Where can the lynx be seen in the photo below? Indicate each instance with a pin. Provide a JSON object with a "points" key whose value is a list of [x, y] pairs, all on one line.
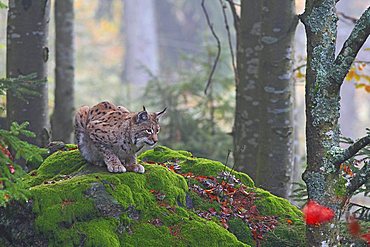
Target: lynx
{"points": [[112, 135]]}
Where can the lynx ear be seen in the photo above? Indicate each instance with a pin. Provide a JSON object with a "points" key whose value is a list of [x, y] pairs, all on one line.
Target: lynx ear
{"points": [[161, 113], [142, 116]]}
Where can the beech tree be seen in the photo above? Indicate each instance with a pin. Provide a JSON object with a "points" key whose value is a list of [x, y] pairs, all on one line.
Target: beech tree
{"points": [[325, 74], [263, 138], [62, 118], [27, 53]]}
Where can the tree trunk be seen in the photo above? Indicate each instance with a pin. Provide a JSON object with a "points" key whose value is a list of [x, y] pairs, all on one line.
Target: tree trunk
{"points": [[324, 77], [141, 44], [62, 122], [104, 10], [263, 139], [27, 53]]}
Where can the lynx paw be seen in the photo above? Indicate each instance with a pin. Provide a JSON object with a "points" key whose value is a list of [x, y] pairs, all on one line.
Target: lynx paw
{"points": [[136, 168], [116, 168]]}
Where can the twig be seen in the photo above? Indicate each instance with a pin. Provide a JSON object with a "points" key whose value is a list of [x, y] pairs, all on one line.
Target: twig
{"points": [[218, 47], [362, 62], [235, 14], [352, 150], [347, 17], [351, 47], [299, 67], [223, 6], [360, 179], [227, 159]]}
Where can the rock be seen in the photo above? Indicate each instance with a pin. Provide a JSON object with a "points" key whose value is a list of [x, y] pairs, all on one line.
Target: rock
{"points": [[179, 201]]}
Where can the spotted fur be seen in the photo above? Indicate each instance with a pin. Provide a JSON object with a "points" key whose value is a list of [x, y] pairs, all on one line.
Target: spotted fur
{"points": [[111, 135]]}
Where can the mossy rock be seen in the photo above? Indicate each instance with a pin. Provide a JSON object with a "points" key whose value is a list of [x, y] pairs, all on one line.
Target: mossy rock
{"points": [[77, 204]]}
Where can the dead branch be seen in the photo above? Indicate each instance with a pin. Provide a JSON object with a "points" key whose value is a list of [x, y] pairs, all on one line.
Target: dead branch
{"points": [[210, 25], [223, 6]]}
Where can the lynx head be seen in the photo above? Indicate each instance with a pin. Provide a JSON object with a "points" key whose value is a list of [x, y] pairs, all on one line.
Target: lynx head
{"points": [[145, 128]]}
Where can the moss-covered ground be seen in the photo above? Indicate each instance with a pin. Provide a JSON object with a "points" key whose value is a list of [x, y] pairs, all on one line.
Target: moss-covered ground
{"points": [[78, 204]]}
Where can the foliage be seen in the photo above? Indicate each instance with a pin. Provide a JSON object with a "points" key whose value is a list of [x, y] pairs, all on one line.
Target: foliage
{"points": [[194, 121], [358, 74], [3, 5], [11, 184], [20, 86], [360, 214]]}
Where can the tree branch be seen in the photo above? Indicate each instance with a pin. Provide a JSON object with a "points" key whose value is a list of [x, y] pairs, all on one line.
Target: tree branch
{"points": [[352, 150], [235, 14], [360, 179], [236, 75], [351, 47], [347, 17], [210, 25]]}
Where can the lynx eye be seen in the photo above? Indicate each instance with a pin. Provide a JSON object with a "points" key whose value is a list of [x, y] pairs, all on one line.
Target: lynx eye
{"points": [[149, 131], [158, 129]]}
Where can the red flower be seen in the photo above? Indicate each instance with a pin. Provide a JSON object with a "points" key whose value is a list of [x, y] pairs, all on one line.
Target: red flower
{"points": [[315, 214]]}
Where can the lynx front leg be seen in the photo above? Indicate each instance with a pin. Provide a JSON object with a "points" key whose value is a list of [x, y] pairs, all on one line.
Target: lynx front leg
{"points": [[112, 161], [132, 166]]}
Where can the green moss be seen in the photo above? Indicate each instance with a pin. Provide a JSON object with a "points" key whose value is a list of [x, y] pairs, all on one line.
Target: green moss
{"points": [[99, 232], [92, 207], [290, 231], [207, 233], [286, 235], [198, 166], [59, 163], [240, 230], [269, 204]]}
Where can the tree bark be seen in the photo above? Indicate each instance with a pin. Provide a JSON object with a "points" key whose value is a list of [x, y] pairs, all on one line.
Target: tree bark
{"points": [[324, 76], [263, 138], [62, 119], [141, 42], [27, 53]]}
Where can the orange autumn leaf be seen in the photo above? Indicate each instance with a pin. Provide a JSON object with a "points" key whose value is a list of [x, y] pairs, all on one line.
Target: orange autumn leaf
{"points": [[350, 74], [346, 169], [367, 88]]}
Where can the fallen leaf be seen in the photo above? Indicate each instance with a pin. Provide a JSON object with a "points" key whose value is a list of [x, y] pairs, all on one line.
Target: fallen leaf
{"points": [[354, 227]]}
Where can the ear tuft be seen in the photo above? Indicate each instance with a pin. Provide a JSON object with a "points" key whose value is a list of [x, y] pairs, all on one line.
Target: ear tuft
{"points": [[161, 113]]}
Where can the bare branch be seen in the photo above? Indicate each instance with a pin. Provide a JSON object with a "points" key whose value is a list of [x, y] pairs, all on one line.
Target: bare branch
{"points": [[235, 14], [299, 67], [350, 48], [218, 47], [360, 179], [223, 6], [352, 150], [347, 17]]}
